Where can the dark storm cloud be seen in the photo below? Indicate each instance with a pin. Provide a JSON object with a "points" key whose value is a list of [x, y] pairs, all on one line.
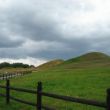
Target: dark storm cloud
{"points": [[8, 42], [64, 49], [52, 29], [35, 25]]}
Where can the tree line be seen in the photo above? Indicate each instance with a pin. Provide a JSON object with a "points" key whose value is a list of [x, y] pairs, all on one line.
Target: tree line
{"points": [[15, 65]]}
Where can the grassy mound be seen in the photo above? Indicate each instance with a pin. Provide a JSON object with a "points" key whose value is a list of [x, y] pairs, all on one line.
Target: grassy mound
{"points": [[93, 56], [49, 64], [94, 59]]}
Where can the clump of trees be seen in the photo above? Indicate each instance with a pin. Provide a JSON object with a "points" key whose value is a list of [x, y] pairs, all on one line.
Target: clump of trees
{"points": [[15, 65]]}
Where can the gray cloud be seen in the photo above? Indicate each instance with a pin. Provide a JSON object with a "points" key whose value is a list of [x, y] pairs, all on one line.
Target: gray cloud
{"points": [[53, 29], [8, 42]]}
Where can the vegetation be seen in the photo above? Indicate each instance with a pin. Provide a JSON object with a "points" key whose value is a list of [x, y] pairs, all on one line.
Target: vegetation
{"points": [[14, 65], [50, 64], [94, 56], [81, 78]]}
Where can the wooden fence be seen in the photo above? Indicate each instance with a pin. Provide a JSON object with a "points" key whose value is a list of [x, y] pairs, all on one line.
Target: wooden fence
{"points": [[39, 93], [15, 74]]}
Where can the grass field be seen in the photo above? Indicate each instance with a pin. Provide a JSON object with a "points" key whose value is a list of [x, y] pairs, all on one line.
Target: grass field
{"points": [[71, 79]]}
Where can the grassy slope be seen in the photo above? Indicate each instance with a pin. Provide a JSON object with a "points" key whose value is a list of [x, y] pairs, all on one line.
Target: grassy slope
{"points": [[89, 57], [49, 64], [94, 59], [90, 82]]}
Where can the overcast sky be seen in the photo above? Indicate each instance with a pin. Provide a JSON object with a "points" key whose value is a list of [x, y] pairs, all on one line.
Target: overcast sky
{"points": [[35, 31]]}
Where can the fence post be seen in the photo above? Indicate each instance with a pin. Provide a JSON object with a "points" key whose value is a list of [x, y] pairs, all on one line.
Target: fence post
{"points": [[108, 99], [6, 76], [7, 91], [39, 96], [3, 76]]}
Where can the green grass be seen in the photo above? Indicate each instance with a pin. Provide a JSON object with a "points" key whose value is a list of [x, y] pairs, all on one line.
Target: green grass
{"points": [[85, 83], [67, 79], [49, 64], [90, 57]]}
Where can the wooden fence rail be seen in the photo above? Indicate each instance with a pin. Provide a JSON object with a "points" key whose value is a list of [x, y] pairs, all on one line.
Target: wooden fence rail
{"points": [[39, 95]]}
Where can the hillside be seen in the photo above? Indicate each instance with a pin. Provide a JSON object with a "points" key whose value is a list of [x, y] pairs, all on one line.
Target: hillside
{"points": [[93, 59], [49, 64], [87, 60], [93, 56]]}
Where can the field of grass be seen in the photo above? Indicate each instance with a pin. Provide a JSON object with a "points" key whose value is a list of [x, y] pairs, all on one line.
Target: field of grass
{"points": [[88, 82]]}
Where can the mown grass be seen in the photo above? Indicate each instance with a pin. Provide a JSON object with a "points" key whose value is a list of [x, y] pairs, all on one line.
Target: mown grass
{"points": [[89, 83]]}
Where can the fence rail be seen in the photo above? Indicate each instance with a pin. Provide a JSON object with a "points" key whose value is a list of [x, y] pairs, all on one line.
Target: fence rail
{"points": [[39, 93], [74, 99]]}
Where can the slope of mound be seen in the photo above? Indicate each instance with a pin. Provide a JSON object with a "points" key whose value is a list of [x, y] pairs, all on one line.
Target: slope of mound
{"points": [[86, 60], [93, 56], [93, 59], [50, 64]]}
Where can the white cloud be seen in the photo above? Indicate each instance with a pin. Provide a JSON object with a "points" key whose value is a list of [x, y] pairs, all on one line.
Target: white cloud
{"points": [[28, 60]]}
